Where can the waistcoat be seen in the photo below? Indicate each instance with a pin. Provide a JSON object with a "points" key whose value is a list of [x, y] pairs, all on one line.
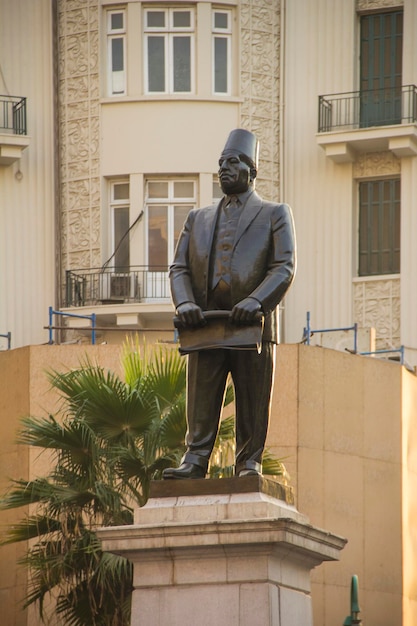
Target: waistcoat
{"points": [[221, 253]]}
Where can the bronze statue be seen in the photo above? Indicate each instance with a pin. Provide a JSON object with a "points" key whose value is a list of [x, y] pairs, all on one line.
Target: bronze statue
{"points": [[237, 256]]}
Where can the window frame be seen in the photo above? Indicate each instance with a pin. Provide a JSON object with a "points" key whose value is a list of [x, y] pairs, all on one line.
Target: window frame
{"points": [[221, 33], [170, 201], [112, 34], [217, 193], [169, 32], [381, 51], [114, 205], [372, 248]]}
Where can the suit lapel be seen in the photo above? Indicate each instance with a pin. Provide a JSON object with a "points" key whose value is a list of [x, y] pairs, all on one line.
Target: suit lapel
{"points": [[209, 225], [249, 212]]}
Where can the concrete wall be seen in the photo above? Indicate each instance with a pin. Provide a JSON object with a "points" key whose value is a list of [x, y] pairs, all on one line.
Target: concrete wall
{"points": [[25, 390], [14, 463], [409, 500], [345, 427]]}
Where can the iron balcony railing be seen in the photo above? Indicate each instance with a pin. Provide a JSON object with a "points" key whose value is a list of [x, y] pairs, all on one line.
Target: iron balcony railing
{"points": [[86, 287], [362, 109], [13, 115]]}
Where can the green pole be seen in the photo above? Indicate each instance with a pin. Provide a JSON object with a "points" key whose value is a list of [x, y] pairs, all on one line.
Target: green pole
{"points": [[353, 619]]}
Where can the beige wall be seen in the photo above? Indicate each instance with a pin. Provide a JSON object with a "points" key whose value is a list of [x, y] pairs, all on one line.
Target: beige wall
{"points": [[27, 259], [165, 138], [319, 191], [345, 427], [409, 501], [14, 463], [25, 390]]}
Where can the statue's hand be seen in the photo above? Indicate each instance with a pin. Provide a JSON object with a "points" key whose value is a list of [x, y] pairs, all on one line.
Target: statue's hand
{"points": [[244, 312], [190, 314]]}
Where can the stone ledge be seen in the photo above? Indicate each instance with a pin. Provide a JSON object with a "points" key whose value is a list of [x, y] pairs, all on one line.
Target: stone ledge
{"points": [[289, 535]]}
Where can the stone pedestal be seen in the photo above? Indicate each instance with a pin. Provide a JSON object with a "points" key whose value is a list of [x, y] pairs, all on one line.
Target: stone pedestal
{"points": [[229, 552]]}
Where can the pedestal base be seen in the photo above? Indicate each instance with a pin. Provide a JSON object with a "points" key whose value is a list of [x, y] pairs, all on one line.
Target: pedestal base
{"points": [[224, 552]]}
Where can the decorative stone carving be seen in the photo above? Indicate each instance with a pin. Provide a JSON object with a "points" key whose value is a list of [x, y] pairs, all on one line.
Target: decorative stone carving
{"points": [[377, 305], [259, 20], [376, 164], [79, 229], [78, 195], [79, 132], [368, 5]]}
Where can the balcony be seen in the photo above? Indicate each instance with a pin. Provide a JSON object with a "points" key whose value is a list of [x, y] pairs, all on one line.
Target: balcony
{"points": [[13, 130], [368, 121], [136, 296]]}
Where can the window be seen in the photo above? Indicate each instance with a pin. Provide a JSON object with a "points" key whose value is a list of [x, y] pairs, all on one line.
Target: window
{"points": [[379, 227], [168, 203], [381, 68], [116, 44], [119, 207], [169, 50], [221, 37], [217, 192]]}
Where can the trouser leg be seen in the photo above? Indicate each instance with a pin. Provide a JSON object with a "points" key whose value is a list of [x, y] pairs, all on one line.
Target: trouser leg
{"points": [[252, 375], [206, 382]]}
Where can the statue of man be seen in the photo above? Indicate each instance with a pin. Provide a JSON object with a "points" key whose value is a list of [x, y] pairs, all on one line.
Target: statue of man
{"points": [[237, 256]]}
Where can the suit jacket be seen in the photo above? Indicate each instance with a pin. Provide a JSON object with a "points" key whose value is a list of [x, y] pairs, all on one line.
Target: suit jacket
{"points": [[263, 257]]}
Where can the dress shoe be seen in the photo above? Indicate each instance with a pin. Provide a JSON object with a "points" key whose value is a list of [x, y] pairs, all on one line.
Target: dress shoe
{"points": [[185, 470], [248, 472]]}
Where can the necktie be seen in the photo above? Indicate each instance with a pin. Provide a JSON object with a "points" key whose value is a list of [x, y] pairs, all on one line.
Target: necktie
{"points": [[232, 206]]}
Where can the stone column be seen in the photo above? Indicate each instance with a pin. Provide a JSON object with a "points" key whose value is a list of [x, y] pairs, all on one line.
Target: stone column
{"points": [[229, 552]]}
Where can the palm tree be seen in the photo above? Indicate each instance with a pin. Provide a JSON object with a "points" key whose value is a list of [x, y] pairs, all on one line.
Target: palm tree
{"points": [[112, 438]]}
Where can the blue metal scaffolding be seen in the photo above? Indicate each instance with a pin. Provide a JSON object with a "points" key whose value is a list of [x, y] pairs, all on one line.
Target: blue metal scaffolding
{"points": [[91, 317], [308, 332]]}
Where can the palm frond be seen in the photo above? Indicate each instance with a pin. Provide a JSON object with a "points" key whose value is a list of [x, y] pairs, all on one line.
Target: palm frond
{"points": [[166, 375], [273, 466], [226, 430], [173, 426], [31, 527], [134, 361], [27, 492], [112, 569], [221, 471], [112, 407], [229, 396], [41, 432]]}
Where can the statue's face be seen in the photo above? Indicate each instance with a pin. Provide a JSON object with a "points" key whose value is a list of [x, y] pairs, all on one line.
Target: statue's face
{"points": [[235, 175]]}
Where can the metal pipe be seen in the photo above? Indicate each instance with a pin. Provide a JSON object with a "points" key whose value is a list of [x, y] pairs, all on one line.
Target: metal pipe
{"points": [[91, 317], [7, 336]]}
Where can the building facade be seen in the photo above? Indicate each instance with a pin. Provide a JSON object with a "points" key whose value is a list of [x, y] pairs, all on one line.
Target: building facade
{"points": [[144, 96], [148, 93], [350, 150]]}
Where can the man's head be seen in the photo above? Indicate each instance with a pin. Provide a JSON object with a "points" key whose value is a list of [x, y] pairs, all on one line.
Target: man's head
{"points": [[238, 162]]}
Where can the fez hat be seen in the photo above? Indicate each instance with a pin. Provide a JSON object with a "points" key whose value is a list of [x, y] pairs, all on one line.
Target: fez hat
{"points": [[244, 143]]}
